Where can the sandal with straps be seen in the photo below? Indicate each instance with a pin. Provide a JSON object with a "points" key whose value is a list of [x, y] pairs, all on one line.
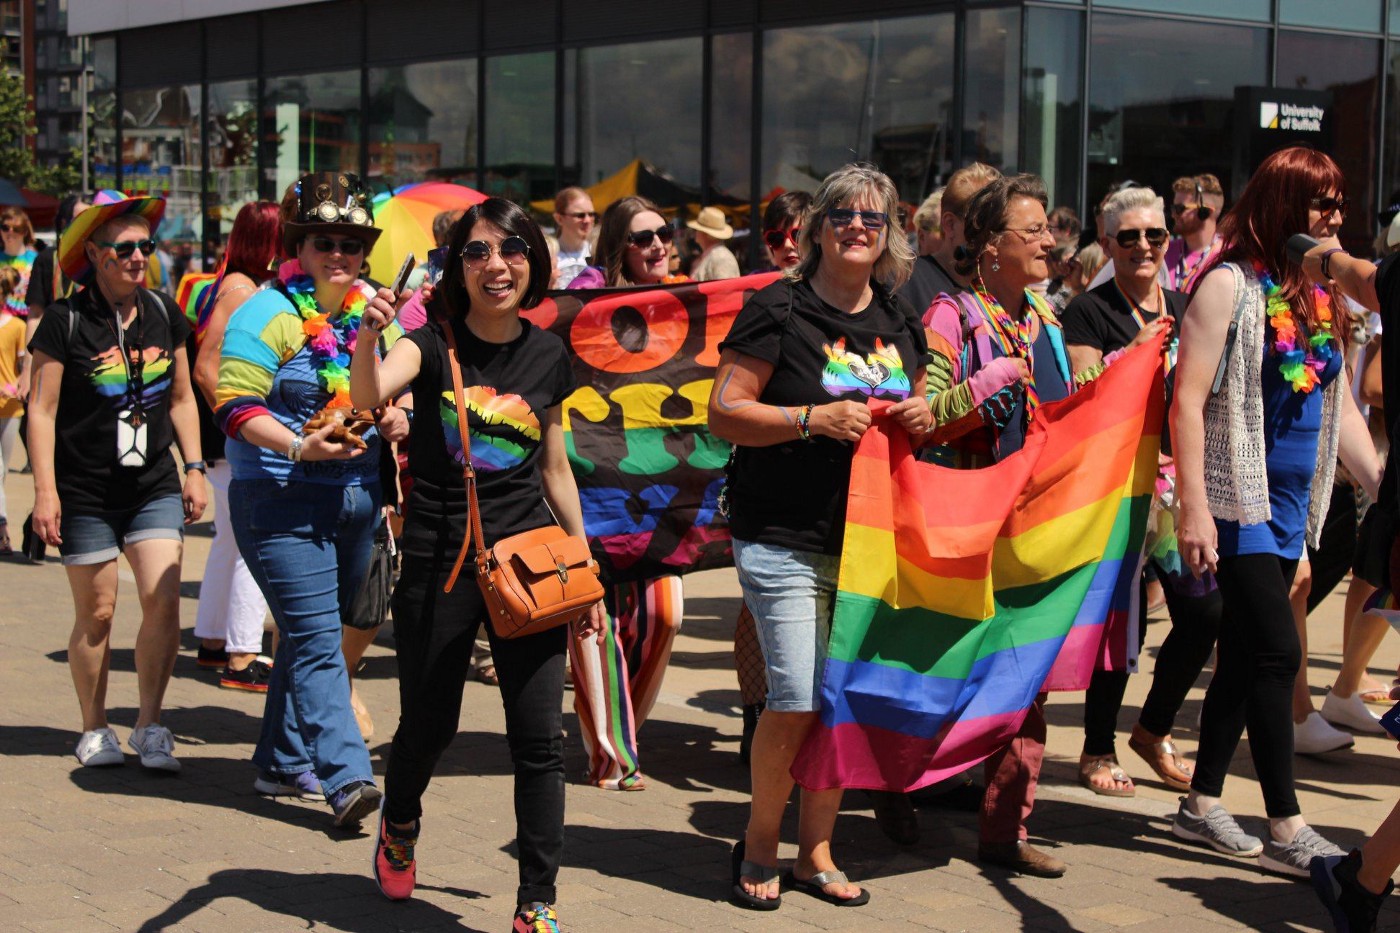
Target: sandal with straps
{"points": [[1157, 754], [740, 868], [1088, 768]]}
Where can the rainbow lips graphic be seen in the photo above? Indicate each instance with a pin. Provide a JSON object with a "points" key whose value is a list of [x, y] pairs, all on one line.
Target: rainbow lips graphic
{"points": [[504, 430]]}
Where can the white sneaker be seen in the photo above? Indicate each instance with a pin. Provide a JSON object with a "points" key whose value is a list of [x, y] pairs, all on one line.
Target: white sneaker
{"points": [[99, 748], [155, 745], [1351, 713], [1313, 736]]}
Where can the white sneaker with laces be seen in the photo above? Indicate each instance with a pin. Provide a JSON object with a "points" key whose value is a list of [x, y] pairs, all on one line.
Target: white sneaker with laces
{"points": [[1314, 736], [99, 748], [155, 745], [1351, 713]]}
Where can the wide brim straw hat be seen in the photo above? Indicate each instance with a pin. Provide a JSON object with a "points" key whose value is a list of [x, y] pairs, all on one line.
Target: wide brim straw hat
{"points": [[711, 221], [73, 258], [333, 203]]}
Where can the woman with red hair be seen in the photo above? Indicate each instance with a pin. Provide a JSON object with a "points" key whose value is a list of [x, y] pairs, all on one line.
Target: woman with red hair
{"points": [[1261, 388], [231, 607]]}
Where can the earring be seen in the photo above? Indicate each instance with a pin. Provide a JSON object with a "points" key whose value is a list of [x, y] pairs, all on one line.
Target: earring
{"points": [[996, 266]]}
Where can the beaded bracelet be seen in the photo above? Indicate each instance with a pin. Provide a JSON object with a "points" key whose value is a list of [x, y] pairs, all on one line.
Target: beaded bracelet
{"points": [[804, 419]]}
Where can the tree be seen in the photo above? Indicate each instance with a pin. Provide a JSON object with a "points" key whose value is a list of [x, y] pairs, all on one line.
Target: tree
{"points": [[16, 130]]}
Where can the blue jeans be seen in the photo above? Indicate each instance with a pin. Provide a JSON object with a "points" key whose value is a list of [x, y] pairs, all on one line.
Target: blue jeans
{"points": [[308, 547]]}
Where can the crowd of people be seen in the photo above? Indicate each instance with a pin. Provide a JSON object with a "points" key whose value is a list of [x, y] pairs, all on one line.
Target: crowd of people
{"points": [[332, 422]]}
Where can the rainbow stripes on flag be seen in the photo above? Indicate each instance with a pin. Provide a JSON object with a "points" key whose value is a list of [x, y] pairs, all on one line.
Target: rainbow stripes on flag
{"points": [[960, 590]]}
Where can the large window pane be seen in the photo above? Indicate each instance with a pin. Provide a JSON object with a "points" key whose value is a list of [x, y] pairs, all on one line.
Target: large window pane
{"points": [[161, 155], [233, 152], [880, 90], [1054, 100], [1161, 98], [1349, 68], [1229, 9], [991, 115], [312, 124], [519, 126], [422, 122], [102, 125], [731, 115], [1348, 14]]}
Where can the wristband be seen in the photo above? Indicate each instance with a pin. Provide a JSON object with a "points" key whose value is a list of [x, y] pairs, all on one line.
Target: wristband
{"points": [[294, 450], [1327, 261], [197, 465], [804, 419]]}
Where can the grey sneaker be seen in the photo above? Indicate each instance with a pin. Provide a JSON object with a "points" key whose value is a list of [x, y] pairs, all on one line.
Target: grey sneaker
{"points": [[99, 748], [1218, 830], [155, 745], [1295, 858]]}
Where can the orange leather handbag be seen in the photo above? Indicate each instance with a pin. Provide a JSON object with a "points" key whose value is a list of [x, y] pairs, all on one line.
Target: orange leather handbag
{"points": [[532, 581]]}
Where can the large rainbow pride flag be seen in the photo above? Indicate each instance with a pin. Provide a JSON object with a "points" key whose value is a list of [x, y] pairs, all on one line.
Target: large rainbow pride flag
{"points": [[960, 589]]}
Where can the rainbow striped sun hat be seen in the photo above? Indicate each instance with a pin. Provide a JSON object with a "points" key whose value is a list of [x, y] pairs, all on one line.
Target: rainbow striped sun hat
{"points": [[72, 258]]}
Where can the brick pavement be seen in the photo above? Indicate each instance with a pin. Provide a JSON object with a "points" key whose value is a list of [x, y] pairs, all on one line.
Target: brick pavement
{"points": [[120, 849]]}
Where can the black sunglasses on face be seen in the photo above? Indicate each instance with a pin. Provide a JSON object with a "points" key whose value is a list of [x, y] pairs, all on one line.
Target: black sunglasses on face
{"points": [[1328, 206], [841, 218], [642, 239], [583, 215], [1127, 239], [8, 228], [125, 249], [347, 247], [513, 251]]}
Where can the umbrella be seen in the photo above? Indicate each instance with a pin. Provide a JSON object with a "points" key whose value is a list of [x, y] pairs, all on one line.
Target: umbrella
{"points": [[10, 194], [406, 217]]}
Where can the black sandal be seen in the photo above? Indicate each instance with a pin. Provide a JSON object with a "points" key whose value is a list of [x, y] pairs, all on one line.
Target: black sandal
{"points": [[816, 887], [766, 874]]}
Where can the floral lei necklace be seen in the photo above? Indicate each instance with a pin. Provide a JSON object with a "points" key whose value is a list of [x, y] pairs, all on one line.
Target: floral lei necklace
{"points": [[332, 339], [1300, 360]]}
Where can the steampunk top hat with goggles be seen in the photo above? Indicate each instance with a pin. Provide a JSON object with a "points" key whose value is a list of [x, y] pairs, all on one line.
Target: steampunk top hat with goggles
{"points": [[331, 202]]}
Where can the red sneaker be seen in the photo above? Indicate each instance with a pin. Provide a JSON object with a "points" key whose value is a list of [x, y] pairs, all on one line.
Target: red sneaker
{"points": [[395, 870]]}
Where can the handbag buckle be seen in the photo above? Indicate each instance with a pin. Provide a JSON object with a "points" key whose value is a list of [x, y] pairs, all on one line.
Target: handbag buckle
{"points": [[562, 571]]}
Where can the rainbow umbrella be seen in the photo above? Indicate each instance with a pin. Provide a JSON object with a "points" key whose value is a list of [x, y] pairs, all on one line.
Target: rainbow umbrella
{"points": [[406, 217]]}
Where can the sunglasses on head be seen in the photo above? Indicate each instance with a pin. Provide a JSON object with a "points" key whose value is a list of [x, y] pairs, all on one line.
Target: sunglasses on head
{"points": [[347, 247], [1127, 239], [1329, 205], [513, 251], [583, 215], [642, 239], [125, 249], [842, 217], [777, 239]]}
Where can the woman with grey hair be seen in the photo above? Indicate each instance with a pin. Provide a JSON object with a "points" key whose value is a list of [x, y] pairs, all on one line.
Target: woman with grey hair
{"points": [[801, 362]]}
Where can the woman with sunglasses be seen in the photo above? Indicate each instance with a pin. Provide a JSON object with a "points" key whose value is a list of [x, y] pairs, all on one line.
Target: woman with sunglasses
{"points": [[17, 236], [1098, 323], [782, 226], [796, 372], [575, 216], [516, 377], [1255, 465], [643, 617], [304, 506], [111, 393]]}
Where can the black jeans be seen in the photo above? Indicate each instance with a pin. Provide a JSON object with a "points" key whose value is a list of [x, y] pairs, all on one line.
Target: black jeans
{"points": [[434, 632], [1255, 665], [1195, 626]]}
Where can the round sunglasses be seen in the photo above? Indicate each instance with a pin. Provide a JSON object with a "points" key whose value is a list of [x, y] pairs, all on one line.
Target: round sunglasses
{"points": [[643, 239], [513, 251]]}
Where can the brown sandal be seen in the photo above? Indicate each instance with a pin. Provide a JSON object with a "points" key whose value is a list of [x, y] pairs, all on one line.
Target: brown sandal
{"points": [[1088, 767], [1157, 754]]}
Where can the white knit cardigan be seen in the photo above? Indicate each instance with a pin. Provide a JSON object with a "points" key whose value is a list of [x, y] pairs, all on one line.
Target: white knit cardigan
{"points": [[1237, 482]]}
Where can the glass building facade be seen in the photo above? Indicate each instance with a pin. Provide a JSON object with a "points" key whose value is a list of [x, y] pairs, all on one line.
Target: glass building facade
{"points": [[728, 101]]}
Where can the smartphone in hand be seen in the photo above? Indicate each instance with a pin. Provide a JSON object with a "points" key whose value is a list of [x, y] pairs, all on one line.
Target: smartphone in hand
{"points": [[1391, 721]]}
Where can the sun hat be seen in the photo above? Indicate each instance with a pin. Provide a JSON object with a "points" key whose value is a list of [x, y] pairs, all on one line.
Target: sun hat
{"points": [[711, 222], [72, 257], [331, 202]]}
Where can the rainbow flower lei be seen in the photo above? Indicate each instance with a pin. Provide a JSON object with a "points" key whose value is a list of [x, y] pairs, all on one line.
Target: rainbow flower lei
{"points": [[1299, 364], [332, 339]]}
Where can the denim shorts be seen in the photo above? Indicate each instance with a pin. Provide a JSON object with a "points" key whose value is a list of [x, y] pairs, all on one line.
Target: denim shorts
{"points": [[97, 537], [790, 594]]}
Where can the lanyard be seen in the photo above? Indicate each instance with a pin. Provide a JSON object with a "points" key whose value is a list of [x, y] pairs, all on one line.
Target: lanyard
{"points": [[132, 367], [1140, 313]]}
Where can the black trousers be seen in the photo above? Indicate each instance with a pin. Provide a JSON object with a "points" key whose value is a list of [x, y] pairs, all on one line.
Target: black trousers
{"points": [[1195, 626], [434, 634], [1257, 660]]}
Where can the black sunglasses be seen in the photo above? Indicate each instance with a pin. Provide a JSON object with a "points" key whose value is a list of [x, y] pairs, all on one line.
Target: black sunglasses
{"points": [[347, 247], [1329, 205], [1127, 239], [642, 239], [125, 249], [513, 251], [842, 217], [12, 228], [581, 215]]}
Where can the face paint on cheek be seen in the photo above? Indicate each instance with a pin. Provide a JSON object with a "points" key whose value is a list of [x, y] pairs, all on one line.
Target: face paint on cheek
{"points": [[110, 263]]}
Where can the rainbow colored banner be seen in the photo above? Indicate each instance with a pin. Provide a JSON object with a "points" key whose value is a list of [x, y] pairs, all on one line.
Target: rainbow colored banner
{"points": [[649, 472], [961, 589]]}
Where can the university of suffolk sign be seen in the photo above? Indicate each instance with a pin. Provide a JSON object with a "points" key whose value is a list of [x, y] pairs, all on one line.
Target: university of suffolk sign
{"points": [[1268, 119]]}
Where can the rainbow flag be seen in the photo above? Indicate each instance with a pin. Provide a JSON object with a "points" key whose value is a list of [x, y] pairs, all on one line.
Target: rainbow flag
{"points": [[960, 590], [191, 294]]}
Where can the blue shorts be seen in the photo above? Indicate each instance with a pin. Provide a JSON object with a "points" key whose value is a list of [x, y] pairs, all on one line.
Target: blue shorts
{"points": [[791, 595], [97, 537]]}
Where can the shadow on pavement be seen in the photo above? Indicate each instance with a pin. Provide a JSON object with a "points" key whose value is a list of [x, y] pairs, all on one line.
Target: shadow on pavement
{"points": [[337, 902]]}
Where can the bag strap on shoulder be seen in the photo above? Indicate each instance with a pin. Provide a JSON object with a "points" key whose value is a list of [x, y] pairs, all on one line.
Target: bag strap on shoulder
{"points": [[474, 533]]}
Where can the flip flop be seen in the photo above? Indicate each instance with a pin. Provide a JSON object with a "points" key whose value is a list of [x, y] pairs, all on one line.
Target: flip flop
{"points": [[765, 874], [816, 887]]}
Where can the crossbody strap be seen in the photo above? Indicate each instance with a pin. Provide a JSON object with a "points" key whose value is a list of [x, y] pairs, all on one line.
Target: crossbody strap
{"points": [[468, 473]]}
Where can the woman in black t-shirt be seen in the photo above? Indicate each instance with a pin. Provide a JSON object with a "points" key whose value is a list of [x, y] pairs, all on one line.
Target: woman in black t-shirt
{"points": [[515, 379], [796, 372], [111, 393]]}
